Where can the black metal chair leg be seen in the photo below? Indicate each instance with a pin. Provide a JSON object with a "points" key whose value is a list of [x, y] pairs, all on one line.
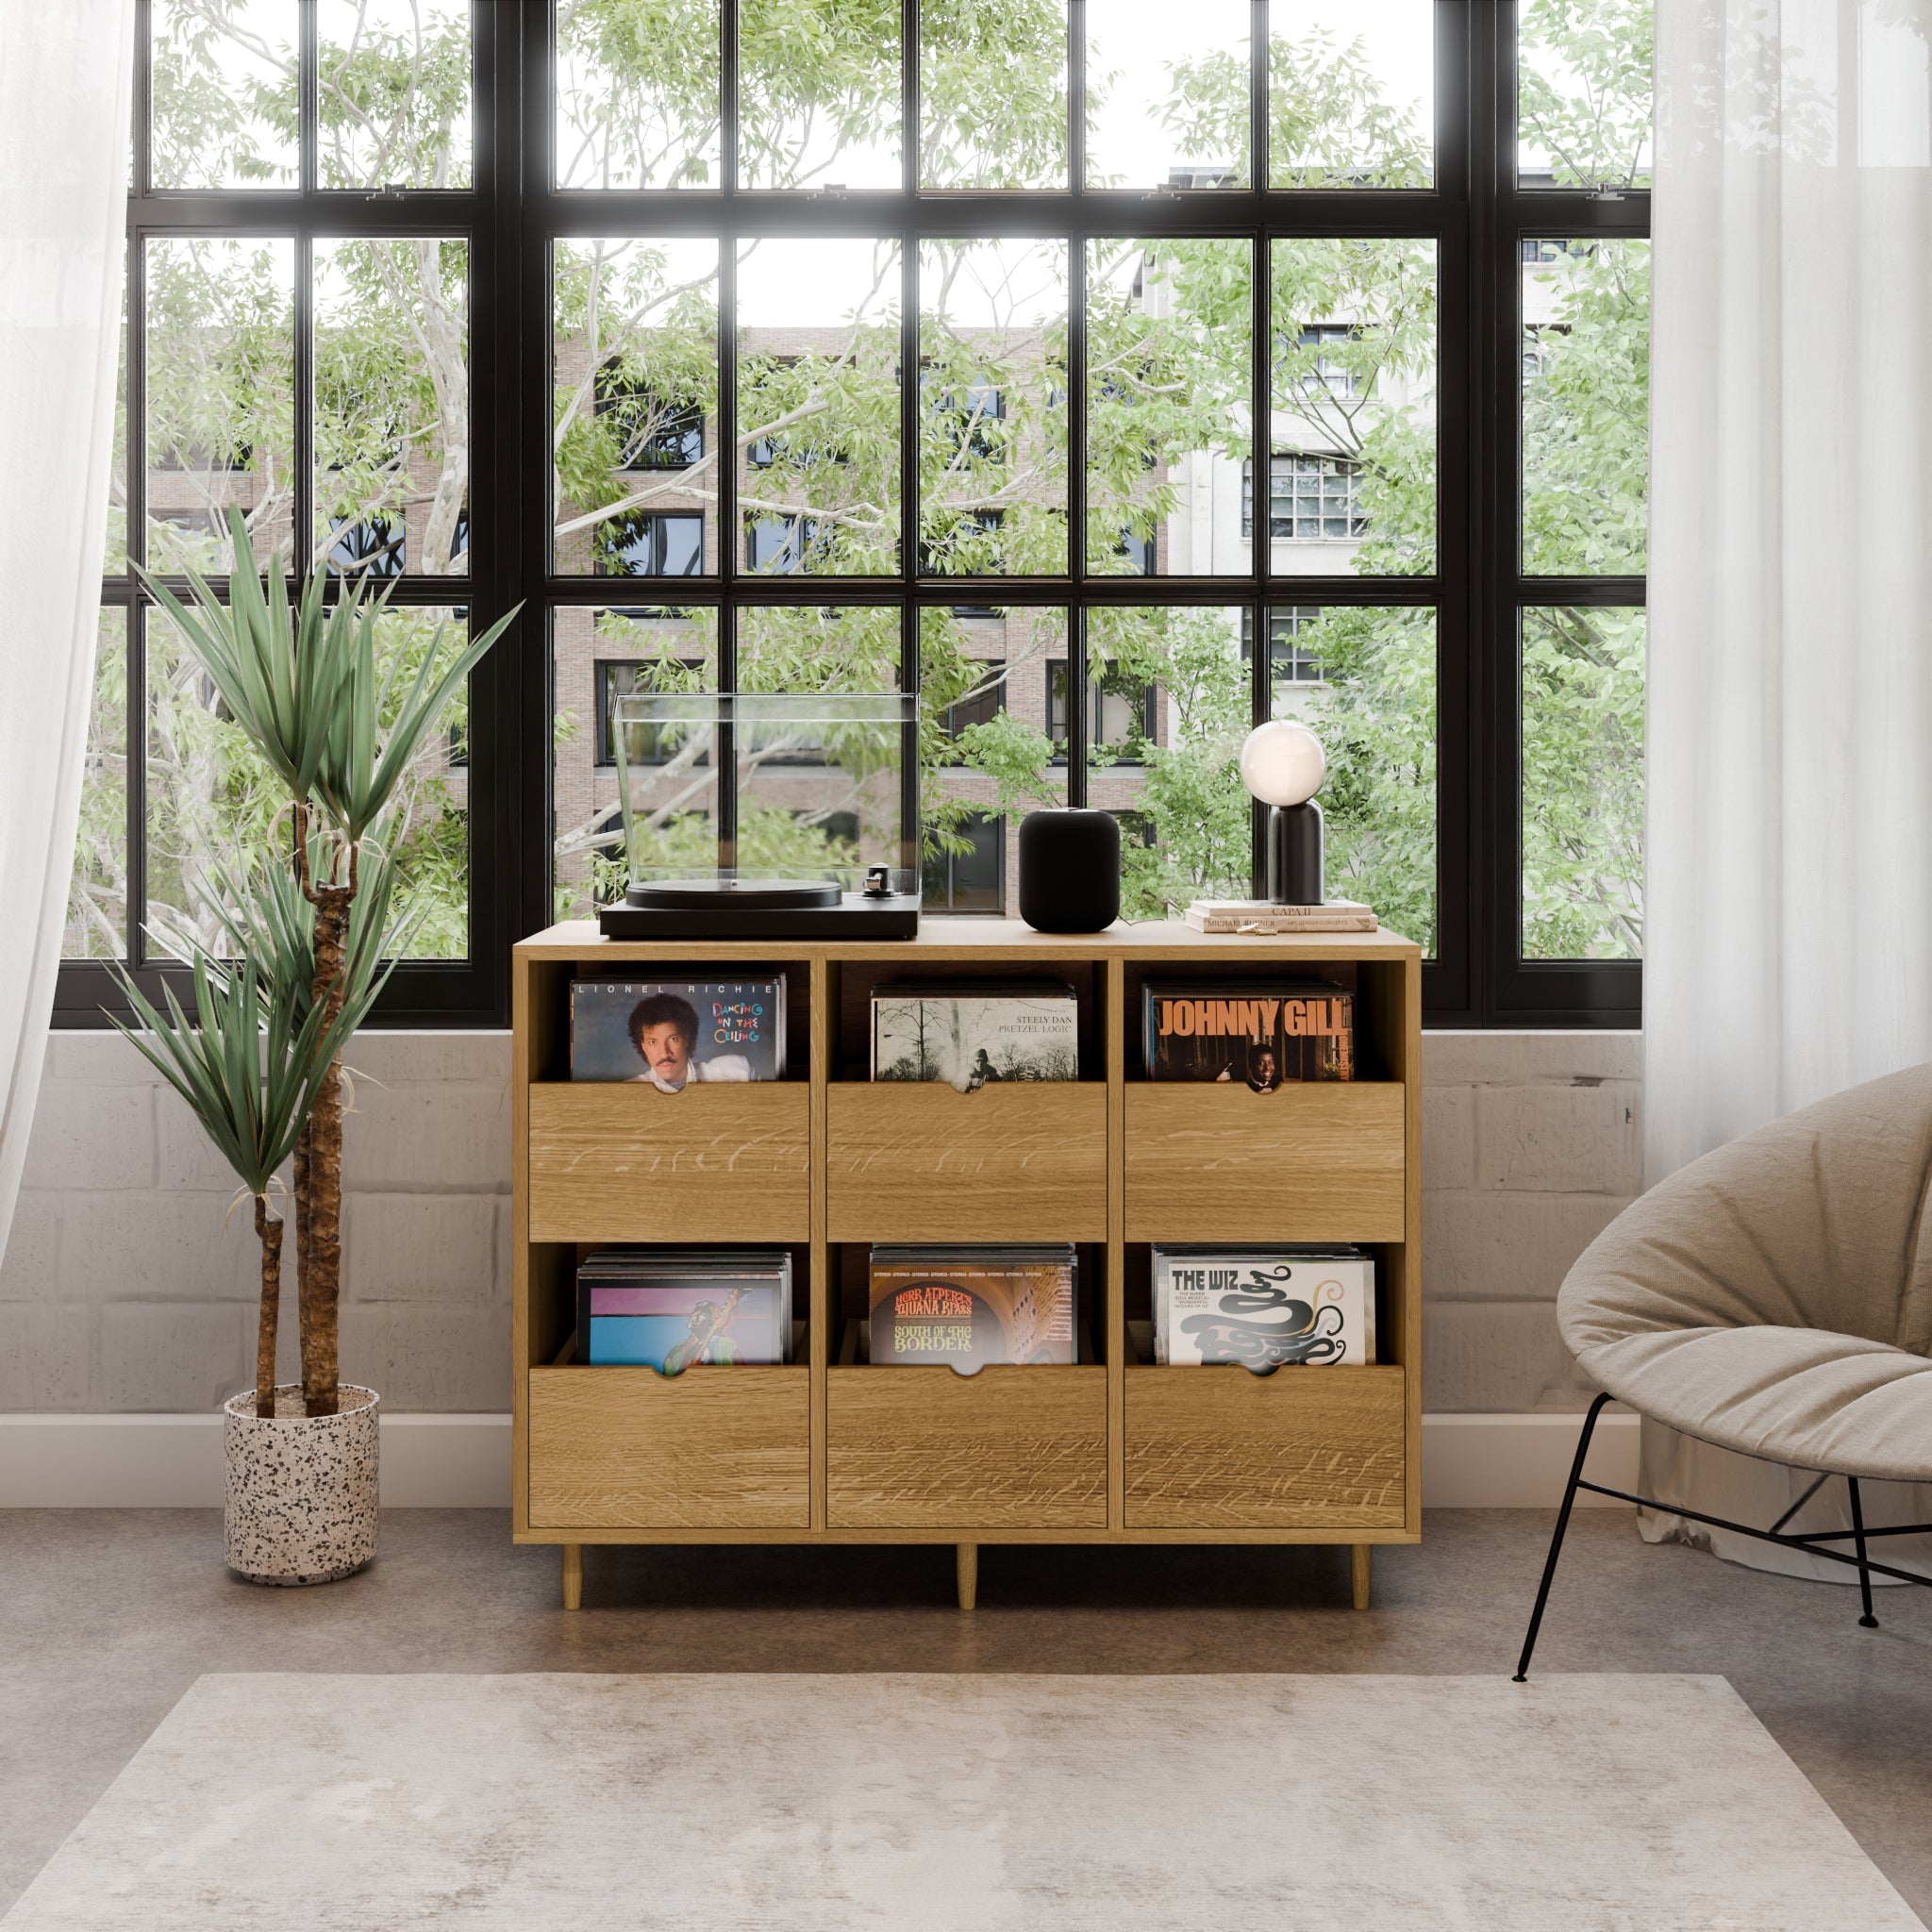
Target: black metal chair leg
{"points": [[1868, 1619], [1542, 1596]]}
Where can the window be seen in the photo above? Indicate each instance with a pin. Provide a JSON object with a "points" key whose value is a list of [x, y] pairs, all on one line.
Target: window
{"points": [[960, 391], [649, 432], [973, 879], [1310, 500], [652, 543], [618, 678]]}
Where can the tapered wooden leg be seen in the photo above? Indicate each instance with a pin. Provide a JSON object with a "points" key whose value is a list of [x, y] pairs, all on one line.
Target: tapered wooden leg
{"points": [[1358, 1574], [967, 1557], [573, 1575]]}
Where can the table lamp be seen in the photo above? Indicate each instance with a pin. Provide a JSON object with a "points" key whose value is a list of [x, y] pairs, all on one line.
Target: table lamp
{"points": [[1283, 765]]}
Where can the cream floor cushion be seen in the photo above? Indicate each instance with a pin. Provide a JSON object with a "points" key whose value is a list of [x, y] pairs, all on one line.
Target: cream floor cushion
{"points": [[1775, 1297]]}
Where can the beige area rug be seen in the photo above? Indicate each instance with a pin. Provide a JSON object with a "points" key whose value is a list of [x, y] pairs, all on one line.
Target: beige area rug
{"points": [[973, 1804]]}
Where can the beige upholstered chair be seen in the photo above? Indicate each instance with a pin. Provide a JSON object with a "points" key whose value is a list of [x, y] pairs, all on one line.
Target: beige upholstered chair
{"points": [[1775, 1298]]}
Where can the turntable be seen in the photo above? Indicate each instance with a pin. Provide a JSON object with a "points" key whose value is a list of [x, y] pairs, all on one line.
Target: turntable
{"points": [[728, 908]]}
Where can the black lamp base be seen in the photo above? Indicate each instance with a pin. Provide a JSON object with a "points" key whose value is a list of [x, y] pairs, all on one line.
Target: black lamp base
{"points": [[1292, 874]]}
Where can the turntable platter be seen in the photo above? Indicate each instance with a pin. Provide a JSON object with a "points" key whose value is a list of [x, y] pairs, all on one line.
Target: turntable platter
{"points": [[715, 895]]}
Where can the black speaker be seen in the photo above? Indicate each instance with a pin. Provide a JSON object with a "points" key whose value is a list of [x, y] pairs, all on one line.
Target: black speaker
{"points": [[1070, 870]]}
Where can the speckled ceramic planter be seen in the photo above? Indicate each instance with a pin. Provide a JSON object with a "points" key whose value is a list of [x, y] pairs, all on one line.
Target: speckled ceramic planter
{"points": [[302, 1490]]}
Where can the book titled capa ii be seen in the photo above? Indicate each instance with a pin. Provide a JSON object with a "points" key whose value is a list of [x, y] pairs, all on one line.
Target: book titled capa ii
{"points": [[973, 1033], [1261, 1033], [968, 1306], [1264, 1308], [674, 1031]]}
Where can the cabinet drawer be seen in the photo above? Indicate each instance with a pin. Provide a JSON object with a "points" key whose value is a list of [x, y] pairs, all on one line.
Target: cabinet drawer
{"points": [[918, 1162], [625, 1162], [629, 1448], [1219, 1448], [1312, 1162], [1009, 1448]]}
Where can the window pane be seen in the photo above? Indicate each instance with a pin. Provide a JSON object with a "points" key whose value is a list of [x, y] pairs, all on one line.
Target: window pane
{"points": [[213, 807], [598, 655], [1583, 784], [993, 94], [818, 93], [992, 345], [97, 924], [1167, 94], [1169, 371], [1351, 94], [1172, 769], [818, 406], [392, 93], [1583, 93], [224, 94], [804, 647], [1586, 406], [636, 370], [1352, 474], [1363, 679], [391, 406], [985, 759], [637, 95], [221, 387], [115, 560]]}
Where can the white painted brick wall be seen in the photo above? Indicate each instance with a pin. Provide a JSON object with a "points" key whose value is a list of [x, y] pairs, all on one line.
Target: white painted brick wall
{"points": [[121, 1289]]}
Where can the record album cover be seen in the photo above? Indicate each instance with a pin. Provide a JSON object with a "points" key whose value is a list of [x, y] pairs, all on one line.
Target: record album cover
{"points": [[1264, 1308], [971, 1035], [966, 1307], [1261, 1033], [678, 1313], [670, 1032]]}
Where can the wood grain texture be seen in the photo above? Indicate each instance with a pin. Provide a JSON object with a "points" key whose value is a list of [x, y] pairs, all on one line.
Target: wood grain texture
{"points": [[1115, 1253], [1314, 1161], [1361, 1574], [919, 1447], [1220, 1448], [714, 1449], [626, 1162], [1023, 1161]]}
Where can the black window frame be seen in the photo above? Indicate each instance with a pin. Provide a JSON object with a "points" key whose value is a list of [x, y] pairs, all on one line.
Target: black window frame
{"points": [[1475, 211]]}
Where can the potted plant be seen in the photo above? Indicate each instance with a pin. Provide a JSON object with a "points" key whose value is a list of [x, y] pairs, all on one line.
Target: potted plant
{"points": [[260, 1063]]}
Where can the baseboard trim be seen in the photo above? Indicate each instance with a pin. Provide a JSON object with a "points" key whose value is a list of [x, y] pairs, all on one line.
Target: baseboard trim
{"points": [[175, 1461], [462, 1462]]}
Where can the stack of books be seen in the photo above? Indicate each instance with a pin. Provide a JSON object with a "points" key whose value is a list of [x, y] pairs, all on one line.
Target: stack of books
{"points": [[1264, 1308], [676, 1309], [970, 1033], [1263, 916], [968, 1306]]}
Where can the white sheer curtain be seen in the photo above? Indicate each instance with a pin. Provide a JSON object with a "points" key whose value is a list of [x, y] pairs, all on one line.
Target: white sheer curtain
{"points": [[65, 76], [1788, 928]]}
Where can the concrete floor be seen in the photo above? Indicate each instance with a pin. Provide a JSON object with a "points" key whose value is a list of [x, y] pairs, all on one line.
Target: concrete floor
{"points": [[106, 1616]]}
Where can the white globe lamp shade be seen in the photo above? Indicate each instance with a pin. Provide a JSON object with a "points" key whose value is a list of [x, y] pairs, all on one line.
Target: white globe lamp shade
{"points": [[1283, 763]]}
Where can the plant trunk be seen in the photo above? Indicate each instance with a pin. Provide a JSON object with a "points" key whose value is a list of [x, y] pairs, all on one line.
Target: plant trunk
{"points": [[270, 1229], [322, 1278]]}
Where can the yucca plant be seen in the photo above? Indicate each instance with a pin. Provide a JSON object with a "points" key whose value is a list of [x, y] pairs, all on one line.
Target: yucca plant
{"points": [[249, 1065], [302, 681]]}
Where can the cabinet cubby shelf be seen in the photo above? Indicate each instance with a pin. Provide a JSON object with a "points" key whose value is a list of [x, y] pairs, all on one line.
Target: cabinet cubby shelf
{"points": [[834, 1450]]}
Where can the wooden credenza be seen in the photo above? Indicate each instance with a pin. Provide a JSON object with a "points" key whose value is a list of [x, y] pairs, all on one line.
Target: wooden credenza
{"points": [[831, 1449]]}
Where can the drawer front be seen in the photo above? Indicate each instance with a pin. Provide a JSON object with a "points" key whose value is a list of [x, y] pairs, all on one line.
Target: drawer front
{"points": [[629, 1448], [1312, 1162], [1009, 1448], [1219, 1448], [625, 1162], [916, 1161]]}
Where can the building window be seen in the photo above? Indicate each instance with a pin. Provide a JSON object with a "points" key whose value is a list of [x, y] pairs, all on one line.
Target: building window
{"points": [[651, 433], [1329, 375], [622, 677], [1139, 550], [785, 542], [1310, 500], [652, 543], [1114, 721], [372, 548], [970, 881], [1290, 658], [983, 703]]}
